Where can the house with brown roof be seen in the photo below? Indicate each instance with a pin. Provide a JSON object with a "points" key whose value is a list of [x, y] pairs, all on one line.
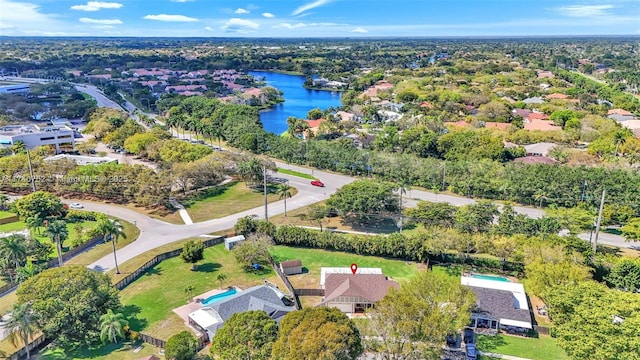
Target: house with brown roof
{"points": [[541, 125], [355, 293], [291, 267], [556, 96]]}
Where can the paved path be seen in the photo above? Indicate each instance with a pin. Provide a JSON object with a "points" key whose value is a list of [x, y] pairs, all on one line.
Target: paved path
{"points": [[500, 356], [186, 218]]}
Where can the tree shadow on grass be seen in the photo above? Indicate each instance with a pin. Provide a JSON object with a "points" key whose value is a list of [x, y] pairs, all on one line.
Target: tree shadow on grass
{"points": [[130, 313], [380, 225], [153, 271], [59, 353], [490, 343], [207, 267]]}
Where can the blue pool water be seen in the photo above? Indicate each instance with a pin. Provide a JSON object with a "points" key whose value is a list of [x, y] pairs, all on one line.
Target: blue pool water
{"points": [[491, 277], [217, 297]]}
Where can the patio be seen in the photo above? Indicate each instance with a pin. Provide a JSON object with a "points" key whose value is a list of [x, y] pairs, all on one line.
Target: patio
{"points": [[185, 310]]}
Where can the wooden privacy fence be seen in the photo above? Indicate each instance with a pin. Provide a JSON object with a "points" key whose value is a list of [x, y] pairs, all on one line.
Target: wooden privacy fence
{"points": [[310, 292], [202, 341], [35, 345], [287, 283]]}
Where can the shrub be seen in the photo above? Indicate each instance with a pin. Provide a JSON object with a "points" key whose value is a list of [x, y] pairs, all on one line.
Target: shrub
{"points": [[77, 216]]}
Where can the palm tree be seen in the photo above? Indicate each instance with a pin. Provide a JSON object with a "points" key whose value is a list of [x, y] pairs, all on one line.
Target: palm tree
{"points": [[20, 325], [221, 277], [540, 195], [27, 271], [189, 290], [284, 191], [112, 326], [13, 249], [113, 229], [58, 232], [619, 138]]}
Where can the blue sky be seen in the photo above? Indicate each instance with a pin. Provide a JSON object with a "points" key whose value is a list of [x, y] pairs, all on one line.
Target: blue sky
{"points": [[318, 18]]}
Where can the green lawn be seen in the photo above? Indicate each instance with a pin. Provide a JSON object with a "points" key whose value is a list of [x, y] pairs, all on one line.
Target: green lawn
{"points": [[6, 214], [314, 259], [108, 352], [150, 299], [296, 173], [542, 348], [226, 200], [42, 237]]}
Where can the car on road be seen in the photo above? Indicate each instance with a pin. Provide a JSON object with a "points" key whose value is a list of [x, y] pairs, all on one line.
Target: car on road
{"points": [[76, 206], [317, 183]]}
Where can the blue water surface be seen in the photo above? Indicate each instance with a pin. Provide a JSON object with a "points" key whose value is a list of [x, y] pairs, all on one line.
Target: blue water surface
{"points": [[298, 100]]}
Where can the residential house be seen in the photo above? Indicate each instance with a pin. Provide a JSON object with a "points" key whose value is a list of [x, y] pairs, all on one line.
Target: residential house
{"points": [[500, 305], [355, 293], [543, 74], [539, 149], [231, 242], [361, 140], [325, 271], [211, 317], [541, 125], [345, 116], [291, 267], [556, 96], [533, 100]]}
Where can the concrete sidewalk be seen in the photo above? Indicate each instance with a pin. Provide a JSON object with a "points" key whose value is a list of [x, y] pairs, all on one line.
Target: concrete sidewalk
{"points": [[182, 211]]}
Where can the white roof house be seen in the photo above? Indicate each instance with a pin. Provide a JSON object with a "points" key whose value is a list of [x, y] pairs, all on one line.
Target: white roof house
{"points": [[345, 270], [231, 242]]}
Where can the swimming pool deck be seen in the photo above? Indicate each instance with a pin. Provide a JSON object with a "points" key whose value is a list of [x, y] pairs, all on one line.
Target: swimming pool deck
{"points": [[185, 310]]}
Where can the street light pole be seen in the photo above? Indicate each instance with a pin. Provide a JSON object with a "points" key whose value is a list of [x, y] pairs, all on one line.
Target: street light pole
{"points": [[595, 240], [264, 179], [33, 183]]}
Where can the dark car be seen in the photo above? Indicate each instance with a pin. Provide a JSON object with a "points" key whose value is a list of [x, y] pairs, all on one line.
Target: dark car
{"points": [[317, 183]]}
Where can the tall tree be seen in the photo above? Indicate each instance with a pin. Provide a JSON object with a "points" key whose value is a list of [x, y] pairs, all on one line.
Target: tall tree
{"points": [[13, 249], [181, 346], [108, 228], [81, 297], [192, 252], [40, 205], [112, 326], [318, 333], [21, 325], [284, 192], [58, 232], [246, 335], [411, 323]]}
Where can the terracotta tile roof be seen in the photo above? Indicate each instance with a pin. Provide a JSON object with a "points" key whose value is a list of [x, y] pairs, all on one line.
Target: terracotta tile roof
{"points": [[372, 287], [619, 112], [537, 116], [460, 123], [542, 125], [557, 96], [315, 123]]}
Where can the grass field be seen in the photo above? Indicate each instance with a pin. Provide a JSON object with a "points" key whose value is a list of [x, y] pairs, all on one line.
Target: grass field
{"points": [[107, 352], [543, 348], [313, 260], [226, 200], [42, 237], [149, 301], [296, 173], [6, 214]]}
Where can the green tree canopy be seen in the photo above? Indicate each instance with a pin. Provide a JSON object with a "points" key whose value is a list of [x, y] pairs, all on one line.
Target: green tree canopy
{"points": [[40, 205], [192, 252], [412, 322], [364, 198], [318, 333], [625, 275], [181, 346], [67, 303], [246, 335]]}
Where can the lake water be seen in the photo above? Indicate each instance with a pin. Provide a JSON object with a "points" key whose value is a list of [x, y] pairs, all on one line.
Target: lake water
{"points": [[298, 100]]}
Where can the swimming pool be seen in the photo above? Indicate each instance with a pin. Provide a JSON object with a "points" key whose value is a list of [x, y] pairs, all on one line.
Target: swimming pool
{"points": [[217, 297], [491, 277]]}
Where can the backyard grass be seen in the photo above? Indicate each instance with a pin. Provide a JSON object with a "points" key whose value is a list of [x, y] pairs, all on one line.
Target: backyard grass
{"points": [[107, 352], [97, 252], [228, 199], [314, 259], [542, 348], [41, 235], [6, 214], [296, 173], [149, 301]]}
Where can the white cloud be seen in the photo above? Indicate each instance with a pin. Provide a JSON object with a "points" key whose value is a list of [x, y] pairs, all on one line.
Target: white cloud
{"points": [[290, 26], [236, 24], [20, 18], [584, 10], [241, 11], [170, 18], [359, 30], [208, 28], [100, 21], [309, 6], [96, 5], [268, 15]]}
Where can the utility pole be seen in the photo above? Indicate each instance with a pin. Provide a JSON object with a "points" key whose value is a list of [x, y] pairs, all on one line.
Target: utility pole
{"points": [[33, 183], [595, 240], [444, 175], [264, 179], [584, 191]]}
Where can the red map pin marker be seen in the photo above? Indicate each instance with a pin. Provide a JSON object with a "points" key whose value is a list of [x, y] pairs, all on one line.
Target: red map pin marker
{"points": [[354, 268]]}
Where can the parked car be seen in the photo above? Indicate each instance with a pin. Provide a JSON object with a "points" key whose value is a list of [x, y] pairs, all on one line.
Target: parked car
{"points": [[76, 206], [317, 183]]}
